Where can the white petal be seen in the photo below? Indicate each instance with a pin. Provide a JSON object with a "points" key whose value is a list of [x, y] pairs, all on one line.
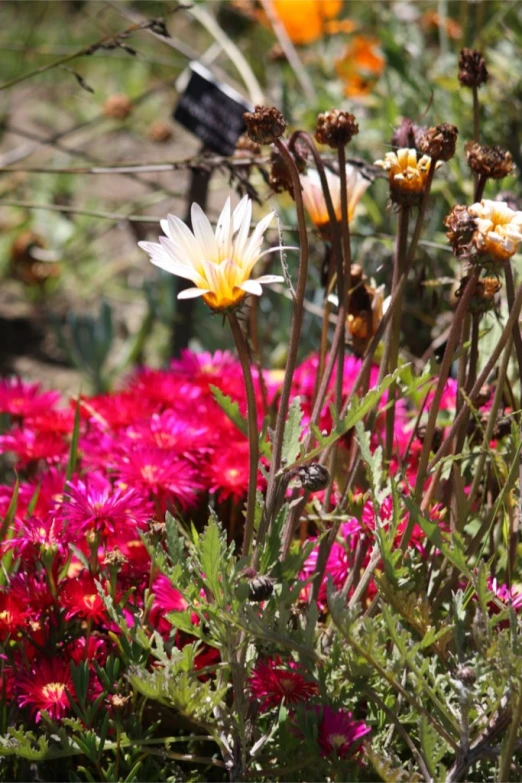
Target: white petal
{"points": [[242, 228], [278, 247], [184, 237], [224, 232], [251, 287], [192, 293], [265, 279], [180, 270], [203, 232]]}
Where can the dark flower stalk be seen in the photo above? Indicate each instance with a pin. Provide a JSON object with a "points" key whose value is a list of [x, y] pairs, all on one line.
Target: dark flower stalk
{"points": [[445, 367], [295, 335], [391, 348], [253, 434]]}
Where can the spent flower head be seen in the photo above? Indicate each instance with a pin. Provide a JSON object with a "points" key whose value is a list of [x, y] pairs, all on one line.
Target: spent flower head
{"points": [[336, 128], [406, 174], [491, 162], [498, 232], [472, 68], [219, 264], [265, 124]]}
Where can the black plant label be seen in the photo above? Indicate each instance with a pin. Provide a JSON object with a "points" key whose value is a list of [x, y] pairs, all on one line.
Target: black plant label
{"points": [[211, 110]]}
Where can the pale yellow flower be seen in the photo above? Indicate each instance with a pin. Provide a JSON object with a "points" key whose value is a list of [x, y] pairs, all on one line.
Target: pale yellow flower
{"points": [[219, 264], [406, 174], [313, 196], [499, 229]]}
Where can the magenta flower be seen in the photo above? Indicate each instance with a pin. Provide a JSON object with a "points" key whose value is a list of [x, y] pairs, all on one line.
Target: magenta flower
{"points": [[31, 446], [160, 472], [22, 399], [339, 734], [94, 504]]}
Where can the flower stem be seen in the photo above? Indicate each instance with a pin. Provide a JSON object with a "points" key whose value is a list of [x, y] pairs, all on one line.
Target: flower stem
{"points": [[391, 348], [488, 367], [295, 336], [253, 433], [445, 367]]}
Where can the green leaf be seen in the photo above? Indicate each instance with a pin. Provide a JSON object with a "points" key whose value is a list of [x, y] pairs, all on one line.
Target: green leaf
{"points": [[211, 555], [292, 433], [175, 542], [73, 453], [230, 408]]}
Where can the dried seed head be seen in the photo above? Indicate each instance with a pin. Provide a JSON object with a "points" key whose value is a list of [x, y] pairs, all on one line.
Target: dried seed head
{"points": [[490, 162], [160, 132], [115, 558], [336, 128], [483, 298], [472, 68], [265, 124], [118, 701], [117, 107], [439, 142], [313, 476], [246, 148], [461, 227], [260, 588]]}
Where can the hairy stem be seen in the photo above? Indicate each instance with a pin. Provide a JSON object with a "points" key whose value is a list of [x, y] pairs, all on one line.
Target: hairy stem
{"points": [[253, 433]]}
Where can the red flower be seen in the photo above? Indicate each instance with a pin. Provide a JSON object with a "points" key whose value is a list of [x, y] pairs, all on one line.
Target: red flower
{"points": [[13, 615], [166, 599], [339, 734], [273, 681], [228, 471], [80, 598], [34, 536], [44, 687]]}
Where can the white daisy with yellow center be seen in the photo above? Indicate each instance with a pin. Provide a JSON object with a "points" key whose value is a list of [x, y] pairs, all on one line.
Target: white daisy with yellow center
{"points": [[499, 229], [313, 195], [219, 264]]}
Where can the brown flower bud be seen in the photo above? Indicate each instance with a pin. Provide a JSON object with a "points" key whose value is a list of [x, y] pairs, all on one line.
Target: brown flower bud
{"points": [[246, 148], [260, 588], [313, 476], [436, 442], [117, 107], [461, 227], [439, 142], [265, 124], [336, 128], [472, 68], [408, 135], [483, 298], [279, 178], [490, 162], [160, 132], [484, 395], [115, 559]]}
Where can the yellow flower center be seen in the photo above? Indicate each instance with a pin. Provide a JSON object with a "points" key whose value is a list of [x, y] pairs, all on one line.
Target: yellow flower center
{"points": [[53, 691]]}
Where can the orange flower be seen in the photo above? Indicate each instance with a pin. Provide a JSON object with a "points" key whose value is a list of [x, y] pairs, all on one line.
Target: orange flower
{"points": [[306, 21], [431, 20], [360, 66]]}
